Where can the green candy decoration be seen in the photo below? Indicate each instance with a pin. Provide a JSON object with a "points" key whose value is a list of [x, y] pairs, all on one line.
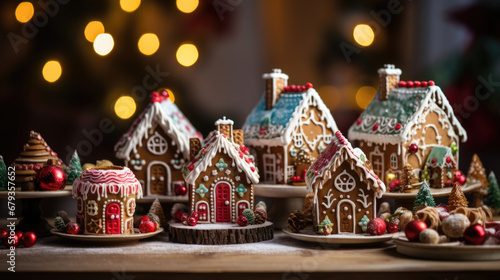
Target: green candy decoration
{"points": [[363, 223], [454, 148], [424, 197], [74, 169], [60, 224], [248, 213], [425, 174], [324, 223]]}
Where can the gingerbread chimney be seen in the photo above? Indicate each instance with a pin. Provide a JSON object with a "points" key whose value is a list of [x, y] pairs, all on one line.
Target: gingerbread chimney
{"points": [[225, 126], [275, 82], [388, 79]]}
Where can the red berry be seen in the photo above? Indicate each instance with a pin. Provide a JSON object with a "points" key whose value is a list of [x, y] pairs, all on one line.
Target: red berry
{"points": [[72, 228], [402, 84], [376, 226], [178, 215], [194, 215], [375, 127], [417, 83], [144, 219], [392, 228], [432, 83], [242, 221], [192, 221], [11, 241], [309, 85], [394, 184], [398, 126], [293, 87], [413, 229], [303, 88], [181, 190], [413, 148], [425, 84], [358, 121], [286, 89], [410, 84], [147, 226], [29, 239], [184, 217]]}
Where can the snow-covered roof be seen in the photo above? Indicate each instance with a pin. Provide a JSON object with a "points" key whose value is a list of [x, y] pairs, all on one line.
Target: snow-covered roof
{"points": [[391, 120], [165, 114], [275, 126], [336, 153], [215, 144]]}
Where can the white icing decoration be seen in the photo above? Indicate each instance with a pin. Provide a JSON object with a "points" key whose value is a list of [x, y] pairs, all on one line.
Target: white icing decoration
{"points": [[214, 172], [228, 171], [237, 178], [329, 199], [364, 196], [344, 182], [205, 178]]}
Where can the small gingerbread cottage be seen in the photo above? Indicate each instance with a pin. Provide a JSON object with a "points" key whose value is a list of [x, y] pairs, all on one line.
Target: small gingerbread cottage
{"points": [[403, 123], [221, 175], [106, 200], [288, 121], [345, 188], [157, 145], [441, 166]]}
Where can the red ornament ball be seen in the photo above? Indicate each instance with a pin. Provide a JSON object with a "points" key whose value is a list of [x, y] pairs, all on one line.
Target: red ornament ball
{"points": [[398, 126], [309, 85], [3, 233], [242, 221], [394, 184], [72, 228], [19, 234], [144, 219], [181, 190], [29, 239], [392, 228], [432, 83], [192, 221], [402, 84], [475, 234], [147, 226], [413, 229], [194, 215], [286, 89], [417, 83], [184, 217], [293, 87], [50, 178], [461, 180], [178, 215], [11, 241], [425, 84], [413, 148], [376, 226], [410, 84]]}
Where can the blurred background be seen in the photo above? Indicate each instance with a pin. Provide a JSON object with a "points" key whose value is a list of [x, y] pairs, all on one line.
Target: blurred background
{"points": [[65, 66]]}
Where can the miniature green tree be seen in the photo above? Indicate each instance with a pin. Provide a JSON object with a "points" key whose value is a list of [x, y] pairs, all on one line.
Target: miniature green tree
{"points": [[3, 175], [493, 197], [74, 169], [424, 197]]}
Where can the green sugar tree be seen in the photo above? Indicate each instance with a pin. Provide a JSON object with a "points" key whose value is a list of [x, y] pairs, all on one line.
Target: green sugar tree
{"points": [[74, 169], [424, 197], [493, 196]]}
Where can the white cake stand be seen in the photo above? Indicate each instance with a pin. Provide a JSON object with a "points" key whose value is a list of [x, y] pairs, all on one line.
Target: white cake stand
{"points": [[286, 199]]}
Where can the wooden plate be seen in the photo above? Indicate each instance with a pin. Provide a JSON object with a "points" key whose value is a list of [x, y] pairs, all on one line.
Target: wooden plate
{"points": [[67, 191], [454, 251], [280, 191], [107, 238], [468, 187], [310, 236]]}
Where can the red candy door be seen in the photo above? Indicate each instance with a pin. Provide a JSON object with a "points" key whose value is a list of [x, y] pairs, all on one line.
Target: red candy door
{"points": [[223, 203], [113, 218]]}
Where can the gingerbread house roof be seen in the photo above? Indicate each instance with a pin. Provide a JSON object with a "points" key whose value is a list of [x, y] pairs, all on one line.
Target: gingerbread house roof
{"points": [[167, 115], [439, 155], [215, 144], [275, 126], [391, 120], [336, 153]]}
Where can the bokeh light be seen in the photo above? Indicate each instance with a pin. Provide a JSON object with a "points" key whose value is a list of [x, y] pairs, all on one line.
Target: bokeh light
{"points": [[331, 96], [187, 6], [125, 107], [103, 44], [130, 5], [363, 34], [364, 96], [187, 54], [93, 29], [148, 44], [171, 95], [24, 11], [52, 71]]}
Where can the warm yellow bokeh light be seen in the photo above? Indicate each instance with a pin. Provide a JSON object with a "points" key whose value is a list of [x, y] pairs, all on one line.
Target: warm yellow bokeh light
{"points": [[330, 95], [125, 107], [171, 95], [130, 5], [24, 12], [52, 71], [148, 43], [93, 29], [187, 6], [103, 44], [363, 35], [187, 54], [364, 96]]}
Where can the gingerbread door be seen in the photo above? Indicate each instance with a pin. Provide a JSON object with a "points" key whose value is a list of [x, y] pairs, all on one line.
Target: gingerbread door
{"points": [[346, 216], [158, 179], [113, 218], [223, 203]]}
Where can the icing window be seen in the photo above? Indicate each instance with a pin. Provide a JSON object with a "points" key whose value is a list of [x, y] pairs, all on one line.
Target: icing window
{"points": [[131, 207], [297, 139], [327, 138], [157, 145], [203, 211], [394, 161], [344, 182], [290, 172], [92, 207], [79, 205]]}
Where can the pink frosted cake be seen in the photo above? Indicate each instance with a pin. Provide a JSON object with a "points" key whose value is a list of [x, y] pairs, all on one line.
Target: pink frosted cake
{"points": [[106, 200]]}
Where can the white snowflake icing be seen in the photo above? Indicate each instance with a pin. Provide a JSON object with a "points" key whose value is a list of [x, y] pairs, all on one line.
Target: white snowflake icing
{"points": [[227, 172], [205, 178], [214, 172], [237, 178]]}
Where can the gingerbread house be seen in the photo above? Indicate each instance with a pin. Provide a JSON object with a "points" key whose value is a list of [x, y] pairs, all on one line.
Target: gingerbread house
{"points": [[441, 166], [288, 121], [345, 188], [403, 123], [106, 200], [157, 145], [221, 175]]}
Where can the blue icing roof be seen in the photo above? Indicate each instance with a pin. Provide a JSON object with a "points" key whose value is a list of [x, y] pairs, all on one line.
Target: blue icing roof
{"points": [[279, 115], [179, 119]]}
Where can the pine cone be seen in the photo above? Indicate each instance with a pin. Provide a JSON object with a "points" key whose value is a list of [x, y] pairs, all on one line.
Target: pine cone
{"points": [[296, 222], [260, 216]]}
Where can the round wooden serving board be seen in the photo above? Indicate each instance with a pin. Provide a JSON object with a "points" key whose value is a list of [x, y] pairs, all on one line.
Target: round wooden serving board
{"points": [[219, 233]]}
